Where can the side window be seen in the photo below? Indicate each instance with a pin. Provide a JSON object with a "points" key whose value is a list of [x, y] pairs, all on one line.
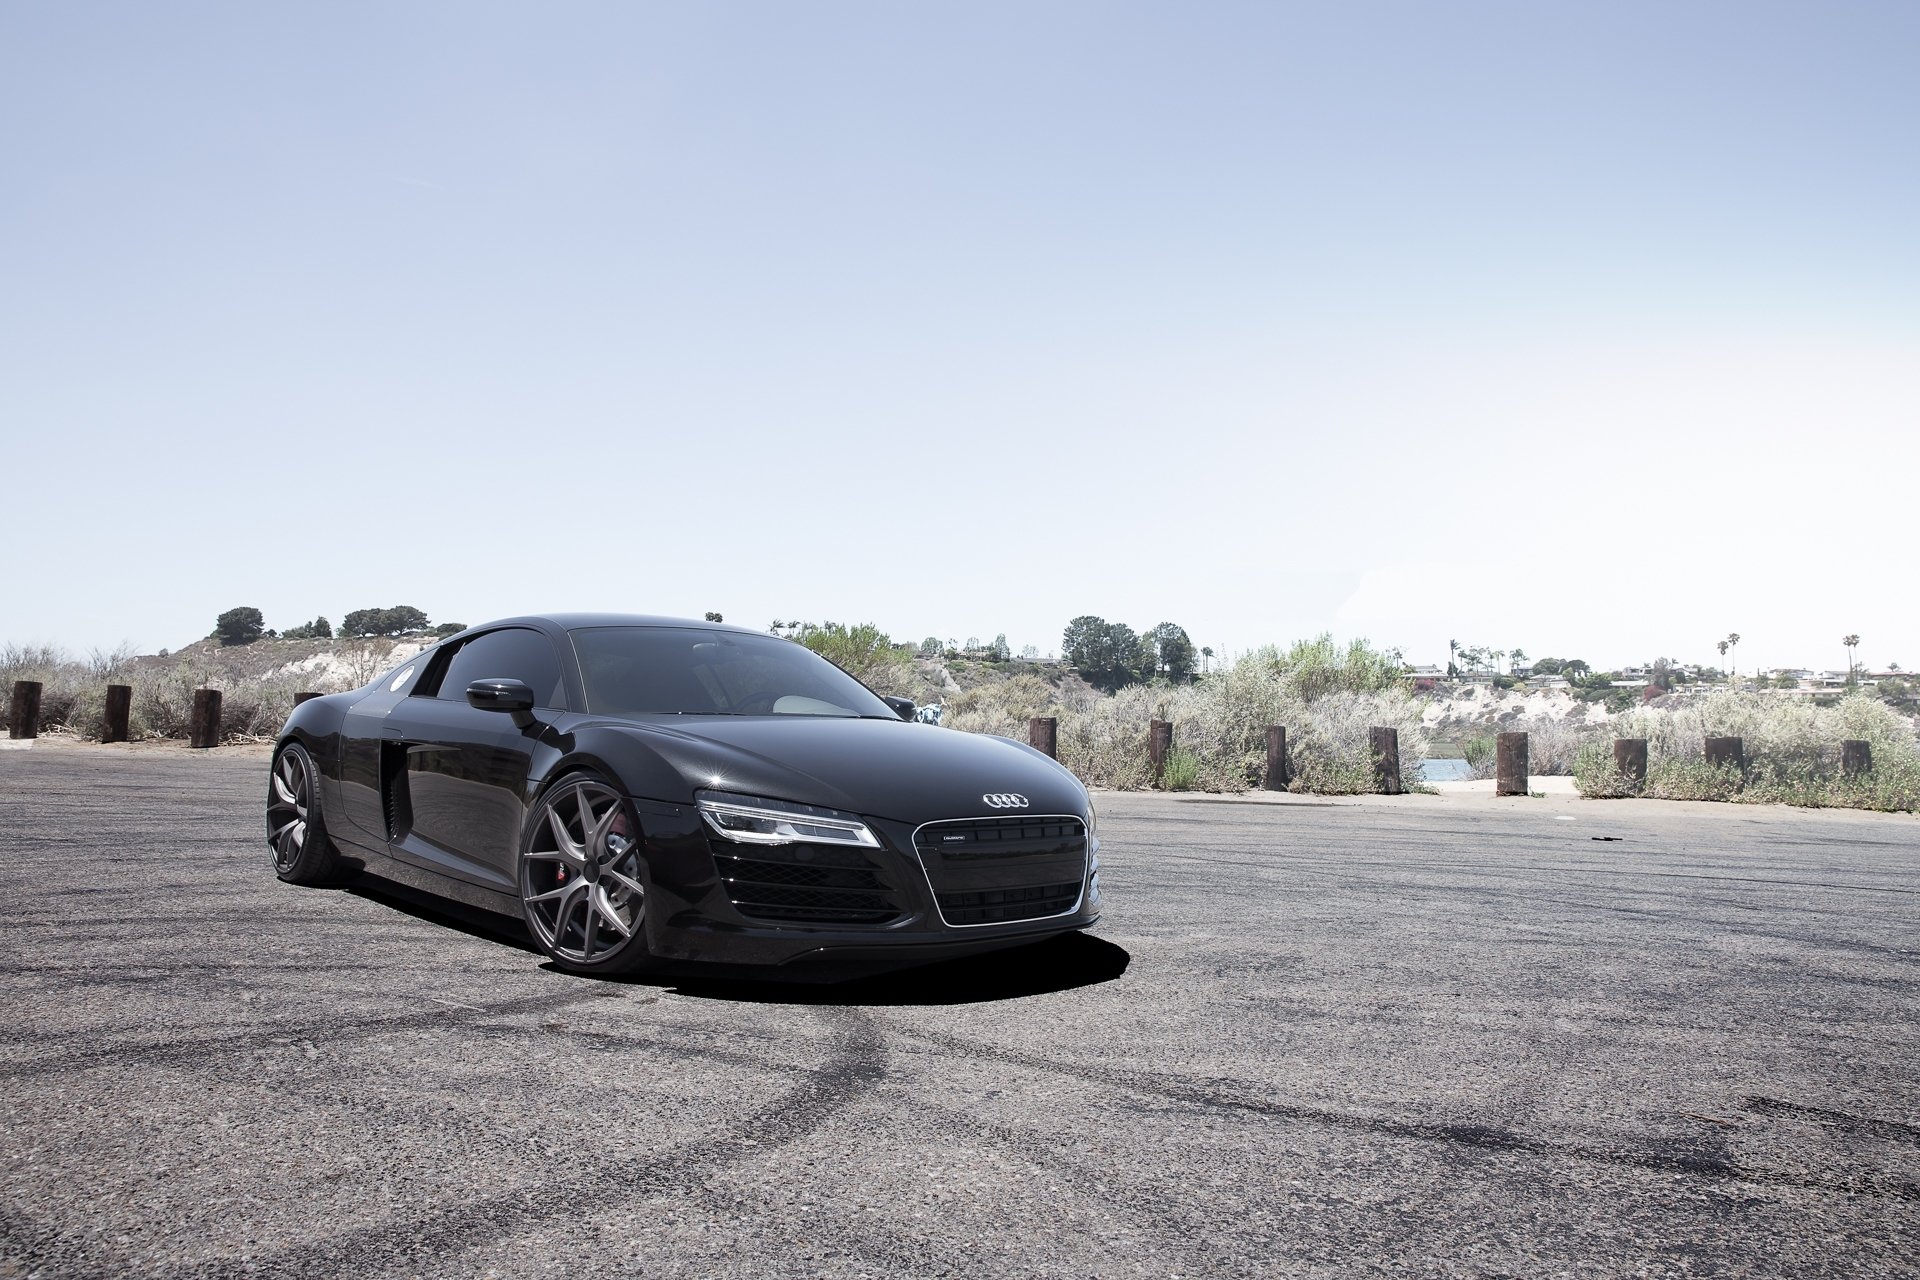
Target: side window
{"points": [[513, 654]]}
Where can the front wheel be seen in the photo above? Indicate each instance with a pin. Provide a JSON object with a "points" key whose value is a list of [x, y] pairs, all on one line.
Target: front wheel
{"points": [[582, 890], [296, 829]]}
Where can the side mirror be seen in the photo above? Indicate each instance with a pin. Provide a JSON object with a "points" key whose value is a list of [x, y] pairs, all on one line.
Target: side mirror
{"points": [[511, 696], [902, 707]]}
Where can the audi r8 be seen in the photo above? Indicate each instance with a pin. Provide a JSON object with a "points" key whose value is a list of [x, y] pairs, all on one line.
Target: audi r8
{"points": [[650, 792]]}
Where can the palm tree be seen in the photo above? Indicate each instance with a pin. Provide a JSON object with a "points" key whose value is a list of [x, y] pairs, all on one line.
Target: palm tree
{"points": [[1852, 643], [1519, 656], [1733, 642], [1207, 655]]}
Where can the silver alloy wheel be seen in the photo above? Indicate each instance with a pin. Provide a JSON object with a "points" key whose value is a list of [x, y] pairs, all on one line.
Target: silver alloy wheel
{"points": [[580, 875], [287, 808]]}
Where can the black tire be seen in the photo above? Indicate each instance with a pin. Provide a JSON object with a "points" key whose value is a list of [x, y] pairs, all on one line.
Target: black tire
{"points": [[296, 829], [582, 880]]}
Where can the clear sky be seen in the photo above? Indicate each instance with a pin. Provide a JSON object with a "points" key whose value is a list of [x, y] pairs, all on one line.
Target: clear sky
{"points": [[1584, 328]]}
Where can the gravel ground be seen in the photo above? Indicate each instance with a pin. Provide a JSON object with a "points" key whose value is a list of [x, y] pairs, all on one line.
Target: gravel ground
{"points": [[1429, 1036]]}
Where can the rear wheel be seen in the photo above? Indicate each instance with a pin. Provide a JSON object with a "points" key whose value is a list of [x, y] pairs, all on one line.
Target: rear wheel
{"points": [[581, 887], [296, 830]]}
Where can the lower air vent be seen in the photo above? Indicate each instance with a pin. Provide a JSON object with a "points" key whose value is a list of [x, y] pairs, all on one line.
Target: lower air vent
{"points": [[805, 884], [992, 906]]}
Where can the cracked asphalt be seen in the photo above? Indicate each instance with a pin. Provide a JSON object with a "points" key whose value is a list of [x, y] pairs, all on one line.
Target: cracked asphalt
{"points": [[1397, 1037]]}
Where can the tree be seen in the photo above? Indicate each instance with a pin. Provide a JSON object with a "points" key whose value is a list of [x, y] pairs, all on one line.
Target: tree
{"points": [[1206, 653], [999, 650], [1172, 652], [1106, 654], [864, 651], [1518, 657], [1733, 663], [398, 620], [449, 628], [1549, 667], [714, 617], [241, 625], [1029, 652], [1662, 676], [318, 629], [930, 647], [1852, 643]]}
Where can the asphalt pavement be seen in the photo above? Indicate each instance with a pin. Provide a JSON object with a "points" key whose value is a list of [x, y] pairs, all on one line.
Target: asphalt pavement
{"points": [[1423, 1036]]}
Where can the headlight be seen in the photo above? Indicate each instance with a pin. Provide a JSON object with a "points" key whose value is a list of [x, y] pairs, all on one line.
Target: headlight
{"points": [[751, 820]]}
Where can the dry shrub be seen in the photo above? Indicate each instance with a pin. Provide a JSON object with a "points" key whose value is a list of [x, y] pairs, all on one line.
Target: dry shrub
{"points": [[1220, 723], [1792, 748], [256, 686]]}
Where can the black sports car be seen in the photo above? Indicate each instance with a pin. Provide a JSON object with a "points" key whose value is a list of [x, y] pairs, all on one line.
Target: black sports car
{"points": [[650, 791]]}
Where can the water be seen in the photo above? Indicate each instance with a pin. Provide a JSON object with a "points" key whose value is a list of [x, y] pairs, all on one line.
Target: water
{"points": [[1445, 771]]}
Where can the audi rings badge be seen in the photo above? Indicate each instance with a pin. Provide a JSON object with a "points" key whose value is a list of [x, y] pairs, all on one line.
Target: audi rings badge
{"points": [[1005, 800]]}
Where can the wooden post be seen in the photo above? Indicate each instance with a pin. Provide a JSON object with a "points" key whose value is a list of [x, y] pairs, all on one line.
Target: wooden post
{"points": [[1159, 742], [114, 723], [1044, 733], [1727, 751], [205, 729], [25, 719], [1856, 758], [1630, 759], [1277, 776], [308, 696], [1510, 752], [1386, 759]]}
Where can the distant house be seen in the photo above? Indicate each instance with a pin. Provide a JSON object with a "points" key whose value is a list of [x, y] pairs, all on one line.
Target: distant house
{"points": [[1424, 678], [1548, 682]]}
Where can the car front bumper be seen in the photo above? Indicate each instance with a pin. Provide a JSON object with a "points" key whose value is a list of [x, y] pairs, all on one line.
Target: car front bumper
{"points": [[694, 920]]}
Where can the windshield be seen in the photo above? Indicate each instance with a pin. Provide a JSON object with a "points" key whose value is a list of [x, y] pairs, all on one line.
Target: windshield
{"points": [[690, 671]]}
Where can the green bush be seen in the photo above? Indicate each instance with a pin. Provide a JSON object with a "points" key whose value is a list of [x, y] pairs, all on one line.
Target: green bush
{"points": [[1692, 780], [1182, 770], [1480, 751], [1597, 776]]}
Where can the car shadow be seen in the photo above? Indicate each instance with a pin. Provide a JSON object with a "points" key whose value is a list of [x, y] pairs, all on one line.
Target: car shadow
{"points": [[1060, 963], [475, 922]]}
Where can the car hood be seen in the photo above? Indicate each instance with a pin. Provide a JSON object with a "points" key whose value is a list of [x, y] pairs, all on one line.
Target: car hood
{"points": [[890, 769]]}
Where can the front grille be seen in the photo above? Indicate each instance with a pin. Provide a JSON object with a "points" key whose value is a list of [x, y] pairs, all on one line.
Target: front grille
{"points": [[999, 837], [805, 883], [991, 906], [998, 870]]}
